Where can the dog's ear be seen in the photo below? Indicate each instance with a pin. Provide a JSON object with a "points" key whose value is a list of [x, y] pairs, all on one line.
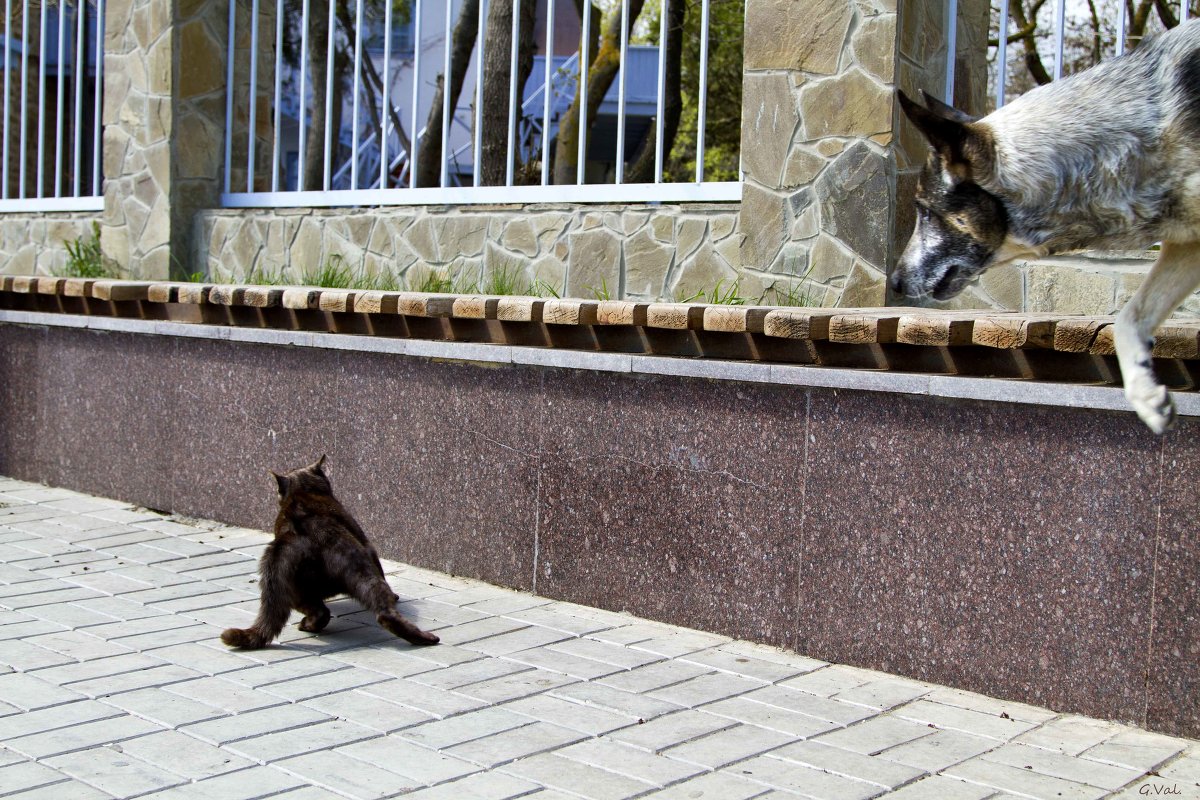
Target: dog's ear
{"points": [[964, 147]]}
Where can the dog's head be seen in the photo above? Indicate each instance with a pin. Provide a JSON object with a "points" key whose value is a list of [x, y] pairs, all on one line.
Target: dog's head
{"points": [[960, 226]]}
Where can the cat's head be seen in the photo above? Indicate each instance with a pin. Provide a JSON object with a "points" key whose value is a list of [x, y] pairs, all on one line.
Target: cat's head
{"points": [[310, 479]]}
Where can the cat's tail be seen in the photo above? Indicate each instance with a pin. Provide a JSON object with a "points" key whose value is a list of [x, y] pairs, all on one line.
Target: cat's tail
{"points": [[272, 614]]}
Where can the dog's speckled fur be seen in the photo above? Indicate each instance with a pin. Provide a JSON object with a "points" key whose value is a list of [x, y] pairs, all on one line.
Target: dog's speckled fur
{"points": [[1105, 159]]}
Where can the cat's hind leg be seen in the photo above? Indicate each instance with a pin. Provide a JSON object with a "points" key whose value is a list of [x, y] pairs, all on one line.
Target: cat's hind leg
{"points": [[273, 613], [316, 614], [375, 594]]}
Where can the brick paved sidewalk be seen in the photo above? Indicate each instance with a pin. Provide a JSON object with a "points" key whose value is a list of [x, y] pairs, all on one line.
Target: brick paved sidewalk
{"points": [[113, 684]]}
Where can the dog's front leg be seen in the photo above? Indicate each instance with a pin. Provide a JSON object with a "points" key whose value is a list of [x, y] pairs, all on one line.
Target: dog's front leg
{"points": [[1173, 277]]}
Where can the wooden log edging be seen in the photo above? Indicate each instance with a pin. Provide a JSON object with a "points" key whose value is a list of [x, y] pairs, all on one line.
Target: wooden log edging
{"points": [[1009, 345]]}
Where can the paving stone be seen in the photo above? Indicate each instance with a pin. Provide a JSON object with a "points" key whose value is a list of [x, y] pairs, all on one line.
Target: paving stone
{"points": [[53, 718], [578, 717], [516, 641], [479, 786], [830, 680], [438, 702], [262, 721], [939, 750], [118, 608], [876, 735], [674, 642], [883, 695], [70, 615], [672, 729], [468, 673], [576, 777], [109, 685], [24, 630], [1140, 750], [630, 761], [729, 745], [470, 631], [512, 687], [810, 705], [247, 784], [606, 653], [110, 770], [774, 718], [638, 706], [883, 773], [298, 741], [175, 752], [162, 707], [977, 723], [346, 776], [656, 676], [712, 786], [27, 775], [1070, 734], [705, 689], [29, 692], [1057, 765], [203, 658], [26, 657], [1021, 781], [287, 670], [80, 737], [744, 665], [792, 777], [465, 727], [409, 760], [989, 705], [553, 617], [323, 683], [225, 695], [939, 787], [368, 711], [68, 788], [506, 746], [392, 661], [557, 661]]}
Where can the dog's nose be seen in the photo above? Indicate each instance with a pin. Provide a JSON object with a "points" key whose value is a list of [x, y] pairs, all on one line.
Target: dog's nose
{"points": [[896, 283]]}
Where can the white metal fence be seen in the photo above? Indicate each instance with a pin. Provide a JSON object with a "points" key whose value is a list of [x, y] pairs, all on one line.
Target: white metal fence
{"points": [[50, 145], [1045, 39], [351, 117]]}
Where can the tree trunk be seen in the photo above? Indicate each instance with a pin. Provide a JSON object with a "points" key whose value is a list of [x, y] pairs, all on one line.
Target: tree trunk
{"points": [[600, 77], [1033, 61], [494, 97], [430, 154], [642, 170], [314, 146]]}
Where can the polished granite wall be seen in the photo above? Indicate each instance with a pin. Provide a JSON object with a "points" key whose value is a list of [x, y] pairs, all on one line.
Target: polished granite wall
{"points": [[1040, 554]]}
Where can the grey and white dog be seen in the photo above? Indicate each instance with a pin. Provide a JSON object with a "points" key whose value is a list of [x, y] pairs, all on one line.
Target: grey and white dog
{"points": [[1105, 159]]}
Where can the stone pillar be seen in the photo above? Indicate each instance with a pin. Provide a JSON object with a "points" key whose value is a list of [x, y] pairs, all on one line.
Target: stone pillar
{"points": [[826, 169], [164, 122]]}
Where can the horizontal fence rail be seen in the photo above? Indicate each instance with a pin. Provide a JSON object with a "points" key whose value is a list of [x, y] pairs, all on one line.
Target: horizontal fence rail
{"points": [[361, 111], [1047, 39], [53, 79]]}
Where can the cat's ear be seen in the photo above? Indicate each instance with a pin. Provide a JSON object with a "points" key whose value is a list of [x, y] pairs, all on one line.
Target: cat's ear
{"points": [[317, 467], [282, 480]]}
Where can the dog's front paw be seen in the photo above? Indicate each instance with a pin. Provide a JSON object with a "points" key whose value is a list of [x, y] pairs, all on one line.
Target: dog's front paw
{"points": [[1151, 402]]}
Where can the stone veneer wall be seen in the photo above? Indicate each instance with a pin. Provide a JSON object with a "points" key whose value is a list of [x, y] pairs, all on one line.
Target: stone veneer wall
{"points": [[642, 252], [33, 244]]}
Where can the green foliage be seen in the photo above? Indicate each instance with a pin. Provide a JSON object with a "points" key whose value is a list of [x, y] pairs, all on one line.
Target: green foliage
{"points": [[541, 288], [602, 293], [262, 276], [729, 296], [382, 282], [195, 277], [333, 274], [85, 260]]}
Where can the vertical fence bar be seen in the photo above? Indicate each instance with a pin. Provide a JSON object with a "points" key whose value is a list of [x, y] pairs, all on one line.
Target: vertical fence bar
{"points": [[328, 177], [302, 137], [443, 173], [951, 49], [1060, 22], [1120, 27], [477, 153], [546, 91], [620, 176], [80, 68], [99, 104], [230, 54], [1184, 11], [278, 93], [41, 123], [512, 95], [1002, 54], [8, 19], [61, 98], [662, 93], [357, 91], [702, 111], [23, 148], [414, 134], [584, 64], [385, 116], [252, 133]]}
